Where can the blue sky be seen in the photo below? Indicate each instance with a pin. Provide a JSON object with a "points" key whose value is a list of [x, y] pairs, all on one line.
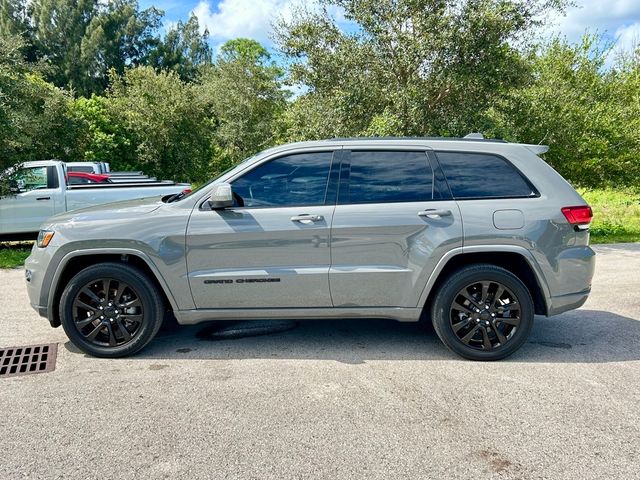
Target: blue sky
{"points": [[226, 19]]}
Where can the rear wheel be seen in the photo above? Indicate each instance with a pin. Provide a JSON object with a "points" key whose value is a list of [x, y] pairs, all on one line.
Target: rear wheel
{"points": [[483, 312], [111, 310]]}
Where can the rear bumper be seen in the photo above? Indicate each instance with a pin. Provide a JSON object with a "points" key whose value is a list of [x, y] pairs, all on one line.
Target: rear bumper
{"points": [[568, 302], [569, 277]]}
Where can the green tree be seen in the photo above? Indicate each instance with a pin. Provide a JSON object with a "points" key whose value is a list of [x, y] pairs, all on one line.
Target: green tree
{"points": [[183, 49], [13, 17], [168, 125], [587, 114], [36, 121], [81, 40], [120, 35], [244, 91], [59, 27], [409, 68], [103, 137]]}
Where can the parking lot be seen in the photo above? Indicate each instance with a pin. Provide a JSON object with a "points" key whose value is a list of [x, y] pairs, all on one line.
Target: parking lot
{"points": [[338, 399]]}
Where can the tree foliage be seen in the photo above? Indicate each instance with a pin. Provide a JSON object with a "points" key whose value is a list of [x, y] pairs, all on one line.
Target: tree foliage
{"points": [[589, 115], [409, 68], [36, 120], [183, 50], [168, 125], [95, 80], [244, 91]]}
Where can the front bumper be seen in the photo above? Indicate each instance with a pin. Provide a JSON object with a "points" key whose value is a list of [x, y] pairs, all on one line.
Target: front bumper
{"points": [[35, 268]]}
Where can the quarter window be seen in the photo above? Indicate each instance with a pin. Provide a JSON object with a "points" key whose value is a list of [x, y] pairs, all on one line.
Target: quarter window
{"points": [[292, 180], [387, 176], [480, 175]]}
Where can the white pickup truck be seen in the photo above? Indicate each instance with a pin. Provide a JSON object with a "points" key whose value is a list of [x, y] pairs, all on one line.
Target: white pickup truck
{"points": [[40, 190]]}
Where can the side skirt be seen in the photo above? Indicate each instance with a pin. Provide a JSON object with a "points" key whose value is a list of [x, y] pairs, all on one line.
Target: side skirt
{"points": [[401, 314]]}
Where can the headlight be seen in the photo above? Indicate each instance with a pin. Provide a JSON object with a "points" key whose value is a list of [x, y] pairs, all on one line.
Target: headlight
{"points": [[44, 237]]}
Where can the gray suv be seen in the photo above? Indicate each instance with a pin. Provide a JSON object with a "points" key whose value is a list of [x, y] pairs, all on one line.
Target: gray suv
{"points": [[475, 235]]}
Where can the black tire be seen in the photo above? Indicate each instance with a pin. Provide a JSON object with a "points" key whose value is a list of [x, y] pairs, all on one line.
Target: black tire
{"points": [[480, 334], [141, 321]]}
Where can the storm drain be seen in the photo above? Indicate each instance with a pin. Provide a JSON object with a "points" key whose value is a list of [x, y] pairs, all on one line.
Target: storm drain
{"points": [[16, 361]]}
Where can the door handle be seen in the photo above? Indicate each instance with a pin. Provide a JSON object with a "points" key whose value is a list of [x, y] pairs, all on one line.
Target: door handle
{"points": [[434, 213], [43, 198], [305, 217]]}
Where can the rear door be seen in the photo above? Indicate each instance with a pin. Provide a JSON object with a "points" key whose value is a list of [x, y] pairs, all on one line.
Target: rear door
{"points": [[393, 222]]}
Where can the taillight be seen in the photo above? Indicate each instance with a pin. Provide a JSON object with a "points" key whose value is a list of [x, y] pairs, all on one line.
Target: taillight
{"points": [[579, 216]]}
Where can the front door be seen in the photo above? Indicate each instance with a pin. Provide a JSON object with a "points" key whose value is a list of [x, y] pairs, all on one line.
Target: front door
{"points": [[271, 249], [394, 221], [34, 201]]}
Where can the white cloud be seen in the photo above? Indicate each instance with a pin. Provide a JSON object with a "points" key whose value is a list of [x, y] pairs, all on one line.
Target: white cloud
{"points": [[252, 18], [603, 16], [241, 18], [628, 37]]}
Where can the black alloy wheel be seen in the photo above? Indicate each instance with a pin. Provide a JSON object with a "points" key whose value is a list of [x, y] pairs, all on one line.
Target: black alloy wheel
{"points": [[485, 315], [482, 312], [111, 309], [108, 312]]}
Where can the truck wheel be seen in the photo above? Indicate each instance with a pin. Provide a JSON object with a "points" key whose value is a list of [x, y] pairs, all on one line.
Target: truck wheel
{"points": [[111, 310], [483, 312]]}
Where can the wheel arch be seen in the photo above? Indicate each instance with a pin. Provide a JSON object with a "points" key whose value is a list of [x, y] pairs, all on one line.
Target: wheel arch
{"points": [[515, 259], [78, 260]]}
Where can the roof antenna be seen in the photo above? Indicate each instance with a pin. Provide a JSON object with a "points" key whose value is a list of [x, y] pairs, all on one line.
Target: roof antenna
{"points": [[474, 136]]}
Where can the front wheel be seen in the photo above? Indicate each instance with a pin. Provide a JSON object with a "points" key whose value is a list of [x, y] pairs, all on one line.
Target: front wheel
{"points": [[483, 312], [111, 310]]}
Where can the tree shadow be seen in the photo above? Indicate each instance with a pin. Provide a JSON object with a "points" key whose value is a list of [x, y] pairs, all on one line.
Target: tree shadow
{"points": [[580, 336]]}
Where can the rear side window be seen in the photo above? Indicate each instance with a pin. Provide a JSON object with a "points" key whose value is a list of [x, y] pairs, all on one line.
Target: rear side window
{"points": [[481, 175], [387, 176]]}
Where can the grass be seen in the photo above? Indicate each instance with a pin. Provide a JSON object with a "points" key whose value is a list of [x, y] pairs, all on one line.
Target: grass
{"points": [[616, 215], [13, 254], [616, 219]]}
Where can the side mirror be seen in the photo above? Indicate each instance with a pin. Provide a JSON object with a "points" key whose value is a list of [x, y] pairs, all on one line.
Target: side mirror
{"points": [[221, 196], [16, 186]]}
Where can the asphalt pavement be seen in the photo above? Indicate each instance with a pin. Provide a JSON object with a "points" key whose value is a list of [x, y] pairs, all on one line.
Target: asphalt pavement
{"points": [[349, 399]]}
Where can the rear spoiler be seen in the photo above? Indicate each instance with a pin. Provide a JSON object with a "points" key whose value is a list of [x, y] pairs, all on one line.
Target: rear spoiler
{"points": [[537, 149]]}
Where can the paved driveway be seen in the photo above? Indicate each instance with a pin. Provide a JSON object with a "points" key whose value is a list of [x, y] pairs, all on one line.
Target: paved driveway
{"points": [[342, 399]]}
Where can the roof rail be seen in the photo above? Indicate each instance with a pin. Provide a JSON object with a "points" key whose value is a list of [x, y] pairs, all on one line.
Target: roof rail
{"points": [[451, 139]]}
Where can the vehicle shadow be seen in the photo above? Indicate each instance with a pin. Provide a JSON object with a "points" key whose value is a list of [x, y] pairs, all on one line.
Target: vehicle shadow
{"points": [[580, 336]]}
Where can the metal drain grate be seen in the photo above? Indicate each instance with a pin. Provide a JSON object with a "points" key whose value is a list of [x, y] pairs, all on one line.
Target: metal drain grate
{"points": [[16, 361]]}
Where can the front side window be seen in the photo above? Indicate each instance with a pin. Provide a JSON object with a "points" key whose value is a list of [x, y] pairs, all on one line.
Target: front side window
{"points": [[30, 178], [387, 176], [481, 175], [293, 180]]}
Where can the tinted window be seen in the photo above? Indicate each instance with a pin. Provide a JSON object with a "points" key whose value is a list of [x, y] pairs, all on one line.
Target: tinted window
{"points": [[477, 175], [385, 176], [78, 181], [77, 168], [299, 179]]}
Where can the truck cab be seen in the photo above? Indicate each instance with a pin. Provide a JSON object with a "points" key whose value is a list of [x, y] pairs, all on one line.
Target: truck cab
{"points": [[37, 194]]}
